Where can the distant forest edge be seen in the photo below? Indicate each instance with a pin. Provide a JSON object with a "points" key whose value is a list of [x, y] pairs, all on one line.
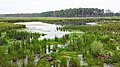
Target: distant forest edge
{"points": [[75, 12]]}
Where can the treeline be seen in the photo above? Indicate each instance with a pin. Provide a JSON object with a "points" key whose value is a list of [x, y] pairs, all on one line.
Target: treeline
{"points": [[21, 15], [75, 12], [80, 12]]}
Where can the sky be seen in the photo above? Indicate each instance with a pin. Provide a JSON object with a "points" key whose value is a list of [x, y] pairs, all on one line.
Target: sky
{"points": [[38, 6]]}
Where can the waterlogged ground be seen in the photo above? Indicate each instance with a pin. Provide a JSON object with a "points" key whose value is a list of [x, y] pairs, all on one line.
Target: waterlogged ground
{"points": [[97, 46], [73, 43], [49, 29]]}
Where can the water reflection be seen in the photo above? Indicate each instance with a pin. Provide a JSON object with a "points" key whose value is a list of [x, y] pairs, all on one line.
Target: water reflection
{"points": [[49, 29]]}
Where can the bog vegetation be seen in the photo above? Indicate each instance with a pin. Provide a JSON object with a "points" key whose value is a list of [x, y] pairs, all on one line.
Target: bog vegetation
{"points": [[94, 46]]}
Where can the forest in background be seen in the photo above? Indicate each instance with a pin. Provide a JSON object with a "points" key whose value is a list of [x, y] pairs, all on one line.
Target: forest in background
{"points": [[72, 12]]}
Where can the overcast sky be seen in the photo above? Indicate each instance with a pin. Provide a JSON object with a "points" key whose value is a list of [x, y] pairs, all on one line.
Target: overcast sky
{"points": [[37, 6]]}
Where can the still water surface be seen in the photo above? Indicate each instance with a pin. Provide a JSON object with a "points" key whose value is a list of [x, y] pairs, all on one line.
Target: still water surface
{"points": [[49, 29]]}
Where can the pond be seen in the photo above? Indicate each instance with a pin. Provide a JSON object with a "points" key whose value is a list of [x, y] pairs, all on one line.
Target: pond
{"points": [[49, 29], [91, 23]]}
